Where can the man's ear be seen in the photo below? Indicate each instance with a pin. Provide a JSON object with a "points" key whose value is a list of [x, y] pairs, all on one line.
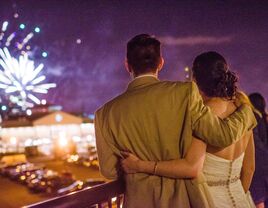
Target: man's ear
{"points": [[127, 67], [161, 63]]}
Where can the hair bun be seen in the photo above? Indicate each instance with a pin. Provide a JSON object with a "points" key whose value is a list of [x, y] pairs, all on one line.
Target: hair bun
{"points": [[226, 86], [213, 77]]}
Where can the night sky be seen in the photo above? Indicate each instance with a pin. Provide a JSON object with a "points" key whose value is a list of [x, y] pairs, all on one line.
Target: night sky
{"points": [[91, 73]]}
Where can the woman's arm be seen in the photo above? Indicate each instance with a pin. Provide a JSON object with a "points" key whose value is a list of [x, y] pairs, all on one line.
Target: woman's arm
{"points": [[248, 167], [189, 167]]}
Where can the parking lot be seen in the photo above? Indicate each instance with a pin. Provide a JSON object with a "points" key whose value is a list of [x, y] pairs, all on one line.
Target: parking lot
{"points": [[14, 194]]}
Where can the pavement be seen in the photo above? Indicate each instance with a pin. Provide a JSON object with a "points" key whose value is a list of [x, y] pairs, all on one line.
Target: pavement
{"points": [[14, 194]]}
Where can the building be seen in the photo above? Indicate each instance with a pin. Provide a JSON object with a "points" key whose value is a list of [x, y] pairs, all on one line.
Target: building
{"points": [[45, 130]]}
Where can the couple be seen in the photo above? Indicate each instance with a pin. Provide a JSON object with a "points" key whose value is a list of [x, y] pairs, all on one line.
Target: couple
{"points": [[167, 126]]}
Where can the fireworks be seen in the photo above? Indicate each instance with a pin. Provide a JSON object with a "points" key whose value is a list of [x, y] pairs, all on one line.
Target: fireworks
{"points": [[21, 79], [16, 41]]}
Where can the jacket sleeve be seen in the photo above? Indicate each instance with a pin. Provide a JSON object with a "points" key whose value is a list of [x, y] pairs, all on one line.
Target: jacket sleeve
{"points": [[108, 161], [214, 130]]}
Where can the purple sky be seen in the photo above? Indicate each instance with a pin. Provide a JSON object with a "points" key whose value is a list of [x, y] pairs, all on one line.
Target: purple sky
{"points": [[90, 73]]}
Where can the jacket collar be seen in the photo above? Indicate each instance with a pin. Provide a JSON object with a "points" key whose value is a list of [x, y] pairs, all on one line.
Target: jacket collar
{"points": [[142, 81]]}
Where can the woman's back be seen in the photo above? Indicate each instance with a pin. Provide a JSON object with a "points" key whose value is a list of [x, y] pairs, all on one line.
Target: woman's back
{"points": [[223, 108], [222, 167]]}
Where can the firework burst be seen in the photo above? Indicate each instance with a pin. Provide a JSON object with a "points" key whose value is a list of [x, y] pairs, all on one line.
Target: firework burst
{"points": [[21, 80]]}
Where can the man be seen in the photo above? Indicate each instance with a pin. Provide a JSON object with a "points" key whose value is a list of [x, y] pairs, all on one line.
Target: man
{"points": [[155, 120]]}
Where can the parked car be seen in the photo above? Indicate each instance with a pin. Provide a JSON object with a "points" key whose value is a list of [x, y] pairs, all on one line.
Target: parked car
{"points": [[15, 174], [78, 185], [27, 176], [5, 168], [72, 158], [52, 183], [33, 184], [14, 168]]}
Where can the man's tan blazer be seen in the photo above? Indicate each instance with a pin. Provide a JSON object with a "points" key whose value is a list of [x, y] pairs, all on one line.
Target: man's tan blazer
{"points": [[155, 120]]}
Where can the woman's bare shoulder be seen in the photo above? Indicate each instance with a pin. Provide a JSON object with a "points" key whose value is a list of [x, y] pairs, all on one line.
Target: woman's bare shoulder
{"points": [[220, 107]]}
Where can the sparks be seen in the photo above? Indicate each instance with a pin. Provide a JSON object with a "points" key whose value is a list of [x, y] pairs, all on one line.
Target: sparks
{"points": [[21, 79]]}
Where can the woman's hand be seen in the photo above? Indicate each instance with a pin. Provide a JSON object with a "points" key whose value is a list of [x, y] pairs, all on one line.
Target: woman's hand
{"points": [[131, 163]]}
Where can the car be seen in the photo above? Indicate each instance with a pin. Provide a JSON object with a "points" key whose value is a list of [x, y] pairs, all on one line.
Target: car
{"points": [[93, 182], [73, 187], [8, 171], [34, 184], [29, 175], [6, 168], [86, 162], [24, 171], [51, 183], [57, 183], [40, 184], [78, 185], [72, 158]]}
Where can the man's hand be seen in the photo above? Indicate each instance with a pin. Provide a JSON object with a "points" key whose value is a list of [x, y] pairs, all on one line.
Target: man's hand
{"points": [[242, 98]]}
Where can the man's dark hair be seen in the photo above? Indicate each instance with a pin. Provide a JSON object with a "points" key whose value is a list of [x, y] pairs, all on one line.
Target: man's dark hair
{"points": [[143, 54]]}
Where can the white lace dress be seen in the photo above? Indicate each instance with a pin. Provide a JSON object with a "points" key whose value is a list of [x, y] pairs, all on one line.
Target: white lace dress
{"points": [[223, 179]]}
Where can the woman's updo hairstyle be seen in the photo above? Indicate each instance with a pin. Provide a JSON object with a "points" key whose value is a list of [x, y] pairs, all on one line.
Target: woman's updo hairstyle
{"points": [[210, 70]]}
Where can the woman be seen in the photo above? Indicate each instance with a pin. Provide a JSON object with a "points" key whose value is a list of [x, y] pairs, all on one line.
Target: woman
{"points": [[228, 172], [259, 186]]}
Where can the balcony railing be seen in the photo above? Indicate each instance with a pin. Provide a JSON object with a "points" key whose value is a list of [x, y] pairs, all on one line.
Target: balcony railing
{"points": [[109, 195]]}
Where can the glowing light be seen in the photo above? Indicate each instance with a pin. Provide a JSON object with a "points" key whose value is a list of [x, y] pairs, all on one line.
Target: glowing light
{"points": [[39, 79], [28, 112], [13, 99], [19, 46], [78, 41], [10, 38], [20, 78], [46, 140], [76, 138], [58, 118], [89, 138], [13, 140], [62, 139], [25, 40], [37, 30], [22, 26], [186, 69], [34, 99], [43, 102], [4, 26], [44, 54], [74, 157], [91, 116], [28, 47], [3, 108], [28, 142], [1, 35], [16, 15]]}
